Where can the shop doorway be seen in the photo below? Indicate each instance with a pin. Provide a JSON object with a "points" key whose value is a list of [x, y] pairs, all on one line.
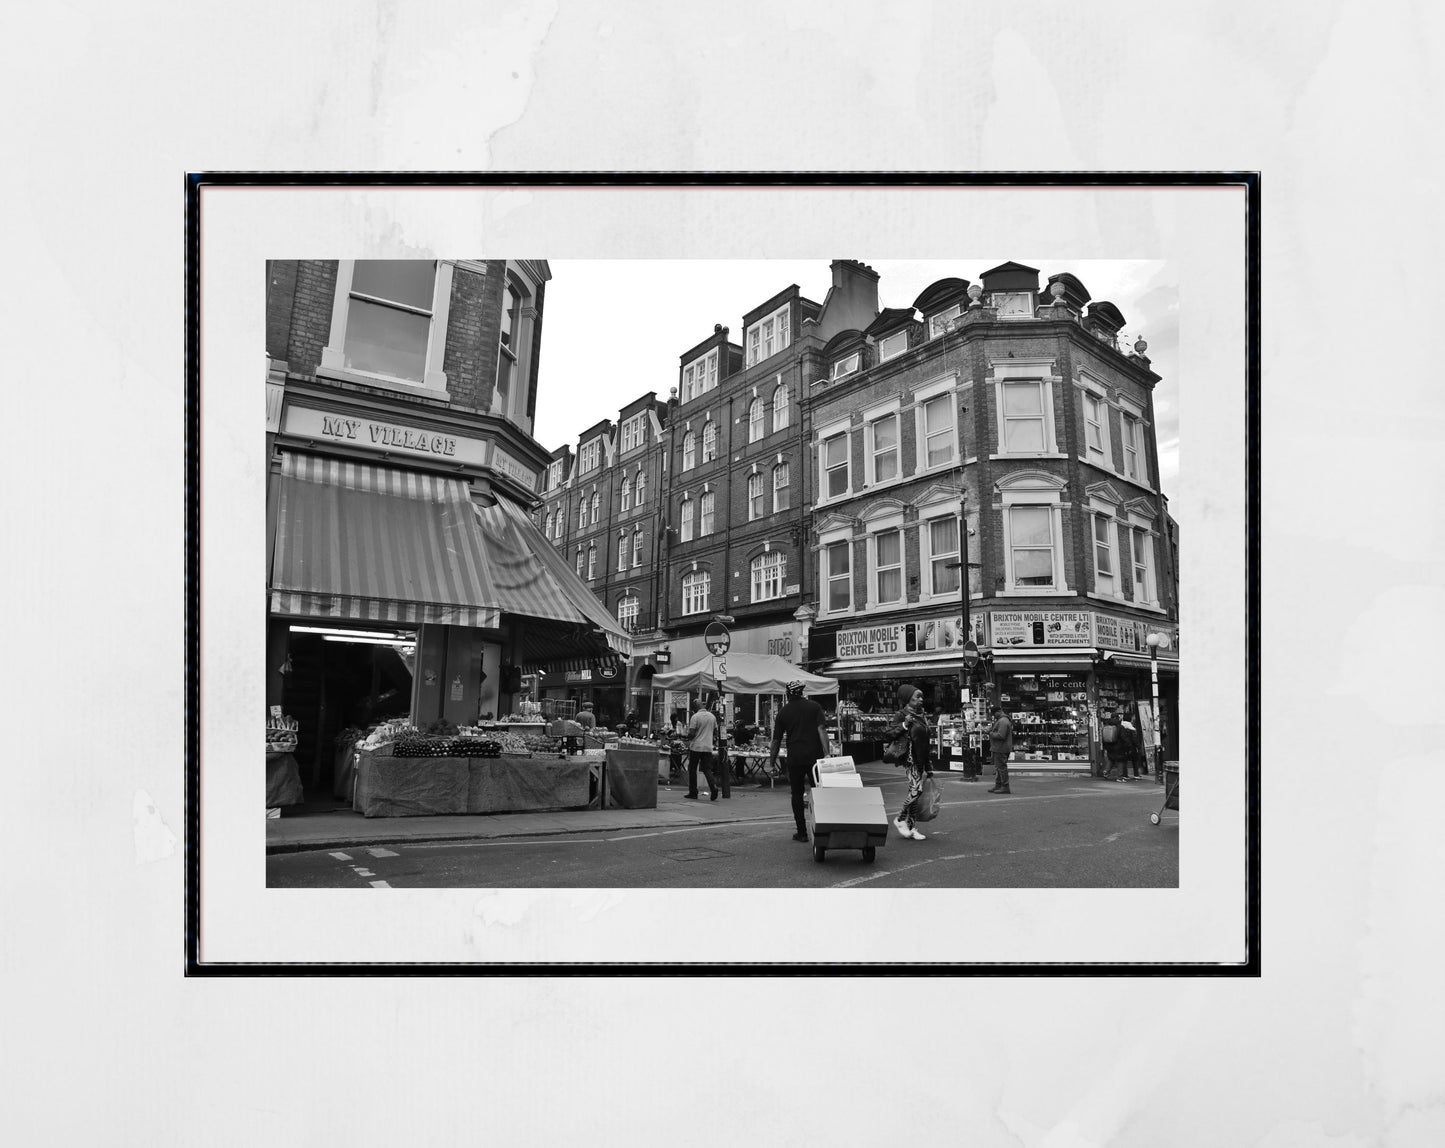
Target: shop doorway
{"points": [[337, 683]]}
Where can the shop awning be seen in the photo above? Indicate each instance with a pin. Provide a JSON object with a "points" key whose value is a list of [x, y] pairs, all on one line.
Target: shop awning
{"points": [[372, 544], [1140, 661], [1041, 662], [566, 627], [892, 668]]}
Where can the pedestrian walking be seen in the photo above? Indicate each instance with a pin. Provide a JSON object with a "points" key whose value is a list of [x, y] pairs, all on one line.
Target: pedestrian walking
{"points": [[1001, 745], [909, 723], [802, 724], [699, 734]]}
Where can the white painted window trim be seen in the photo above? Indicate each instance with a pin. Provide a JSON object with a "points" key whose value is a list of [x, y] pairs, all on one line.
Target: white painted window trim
{"points": [[706, 514], [1111, 529], [1034, 495], [829, 539], [626, 615], [637, 424], [699, 376], [1027, 313], [1088, 386], [1139, 522], [640, 491], [755, 568], [1022, 371], [637, 544], [752, 360], [333, 355], [891, 409], [626, 495], [756, 477], [885, 525], [921, 398], [690, 581], [855, 359], [592, 449], [900, 337], [621, 551], [785, 406], [824, 435], [927, 516], [935, 322], [784, 467], [708, 450], [757, 431]]}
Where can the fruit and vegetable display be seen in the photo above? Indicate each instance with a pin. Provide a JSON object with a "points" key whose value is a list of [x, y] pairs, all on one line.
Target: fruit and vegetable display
{"points": [[280, 732]]}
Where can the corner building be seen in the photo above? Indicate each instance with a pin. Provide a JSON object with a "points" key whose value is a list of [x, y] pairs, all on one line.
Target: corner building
{"points": [[404, 577], [1000, 422]]}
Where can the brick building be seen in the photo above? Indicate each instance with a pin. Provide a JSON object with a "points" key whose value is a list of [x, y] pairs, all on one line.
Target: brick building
{"points": [[404, 577], [1010, 410]]}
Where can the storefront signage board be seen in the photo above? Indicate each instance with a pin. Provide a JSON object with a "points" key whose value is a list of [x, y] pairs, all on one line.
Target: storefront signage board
{"points": [[1041, 628], [417, 442], [1132, 635], [519, 472], [870, 642]]}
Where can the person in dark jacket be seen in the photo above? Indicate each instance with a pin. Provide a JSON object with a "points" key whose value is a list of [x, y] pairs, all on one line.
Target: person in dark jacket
{"points": [[1001, 746], [802, 723], [909, 720]]}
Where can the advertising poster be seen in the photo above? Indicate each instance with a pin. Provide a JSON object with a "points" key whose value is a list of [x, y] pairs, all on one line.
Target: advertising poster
{"points": [[1029, 628]]}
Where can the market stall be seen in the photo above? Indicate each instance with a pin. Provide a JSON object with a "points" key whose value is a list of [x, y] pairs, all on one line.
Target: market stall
{"points": [[745, 674]]}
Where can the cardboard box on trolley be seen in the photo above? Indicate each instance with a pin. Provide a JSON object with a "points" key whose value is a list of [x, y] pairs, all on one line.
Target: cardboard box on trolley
{"points": [[842, 812]]}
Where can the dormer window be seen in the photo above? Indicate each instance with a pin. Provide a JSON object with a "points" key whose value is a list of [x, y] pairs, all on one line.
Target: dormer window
{"points": [[768, 336], [554, 475], [590, 456], [892, 346], [846, 366], [632, 433], [1014, 304], [938, 324], [699, 376]]}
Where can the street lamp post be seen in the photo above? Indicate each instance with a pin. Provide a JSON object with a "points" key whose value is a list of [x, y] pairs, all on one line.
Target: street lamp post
{"points": [[970, 648], [1154, 642]]}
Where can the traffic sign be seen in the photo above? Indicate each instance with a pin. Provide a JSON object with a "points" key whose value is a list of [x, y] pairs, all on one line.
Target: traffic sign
{"points": [[719, 640]]}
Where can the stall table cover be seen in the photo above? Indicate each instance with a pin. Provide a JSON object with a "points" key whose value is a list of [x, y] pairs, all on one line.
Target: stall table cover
{"points": [[422, 786], [283, 780]]}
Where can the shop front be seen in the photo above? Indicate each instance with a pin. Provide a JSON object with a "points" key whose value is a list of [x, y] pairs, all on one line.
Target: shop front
{"points": [[786, 640], [404, 593]]}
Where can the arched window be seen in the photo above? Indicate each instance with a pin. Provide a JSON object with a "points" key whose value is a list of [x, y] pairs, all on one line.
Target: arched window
{"points": [[709, 441], [579, 561], [621, 551], [627, 613], [782, 490], [781, 410], [689, 450], [626, 493], [582, 513], [641, 488], [756, 502], [685, 517], [695, 588], [560, 518], [704, 520], [637, 548], [547, 529], [755, 420], [596, 506], [768, 571], [592, 561]]}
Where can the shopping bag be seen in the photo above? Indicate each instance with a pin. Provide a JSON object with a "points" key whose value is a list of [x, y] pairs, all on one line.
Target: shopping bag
{"points": [[925, 806]]}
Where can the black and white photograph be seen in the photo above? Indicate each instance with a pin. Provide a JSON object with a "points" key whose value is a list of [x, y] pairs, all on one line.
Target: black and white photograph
{"points": [[693, 615]]}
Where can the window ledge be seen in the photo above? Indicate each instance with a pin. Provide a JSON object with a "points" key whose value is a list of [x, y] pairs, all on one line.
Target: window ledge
{"points": [[1109, 598], [384, 382], [937, 468], [1036, 592], [1016, 457]]}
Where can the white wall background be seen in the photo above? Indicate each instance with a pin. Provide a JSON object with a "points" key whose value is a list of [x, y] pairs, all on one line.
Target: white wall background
{"points": [[1338, 1044]]}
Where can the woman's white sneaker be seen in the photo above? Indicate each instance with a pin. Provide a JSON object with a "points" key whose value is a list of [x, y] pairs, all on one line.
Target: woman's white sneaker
{"points": [[917, 836], [902, 828]]}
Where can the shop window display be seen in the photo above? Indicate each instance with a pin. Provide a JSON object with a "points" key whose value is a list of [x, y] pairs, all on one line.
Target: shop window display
{"points": [[1050, 715]]}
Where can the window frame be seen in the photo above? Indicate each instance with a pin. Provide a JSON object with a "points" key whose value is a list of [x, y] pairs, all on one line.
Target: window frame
{"points": [[1150, 597], [771, 565], [637, 544], [757, 500], [333, 355], [1030, 302], [782, 334], [884, 354], [596, 508], [831, 578], [591, 561], [706, 514], [621, 551], [709, 441], [626, 495], [856, 359], [755, 420], [685, 519], [876, 569], [935, 322], [782, 407], [871, 418], [689, 449], [929, 558], [1007, 372], [589, 456], [1040, 489], [699, 376], [827, 436], [1110, 547], [640, 493], [635, 429], [626, 618], [581, 560], [784, 503], [691, 581]]}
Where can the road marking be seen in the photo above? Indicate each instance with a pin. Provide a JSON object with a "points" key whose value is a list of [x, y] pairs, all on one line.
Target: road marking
{"points": [[381, 852], [380, 885], [880, 874], [342, 856], [360, 872]]}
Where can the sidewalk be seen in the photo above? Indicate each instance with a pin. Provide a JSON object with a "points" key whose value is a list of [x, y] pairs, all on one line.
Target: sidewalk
{"points": [[324, 824]]}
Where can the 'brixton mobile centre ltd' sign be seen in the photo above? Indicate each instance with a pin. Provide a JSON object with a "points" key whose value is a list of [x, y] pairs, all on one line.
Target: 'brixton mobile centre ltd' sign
{"points": [[870, 641]]}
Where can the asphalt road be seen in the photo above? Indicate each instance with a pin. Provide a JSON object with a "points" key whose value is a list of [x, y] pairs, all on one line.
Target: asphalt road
{"points": [[1050, 833]]}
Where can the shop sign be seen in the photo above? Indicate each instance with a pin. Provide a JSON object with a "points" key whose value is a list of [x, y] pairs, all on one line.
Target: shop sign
{"points": [[947, 633], [662, 658], [305, 422], [1029, 628], [782, 647], [514, 468], [578, 676], [870, 642], [1132, 635]]}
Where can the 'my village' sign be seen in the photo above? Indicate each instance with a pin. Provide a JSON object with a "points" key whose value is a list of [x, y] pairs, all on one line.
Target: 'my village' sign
{"points": [[304, 422]]}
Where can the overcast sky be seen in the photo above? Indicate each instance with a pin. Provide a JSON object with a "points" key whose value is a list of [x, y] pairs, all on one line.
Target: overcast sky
{"points": [[614, 329]]}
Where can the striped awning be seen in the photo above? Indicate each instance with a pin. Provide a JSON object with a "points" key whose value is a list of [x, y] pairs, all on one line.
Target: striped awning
{"points": [[566, 627], [363, 542]]}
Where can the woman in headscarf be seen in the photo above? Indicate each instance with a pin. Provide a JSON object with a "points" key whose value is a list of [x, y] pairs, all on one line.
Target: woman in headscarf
{"points": [[909, 720]]}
